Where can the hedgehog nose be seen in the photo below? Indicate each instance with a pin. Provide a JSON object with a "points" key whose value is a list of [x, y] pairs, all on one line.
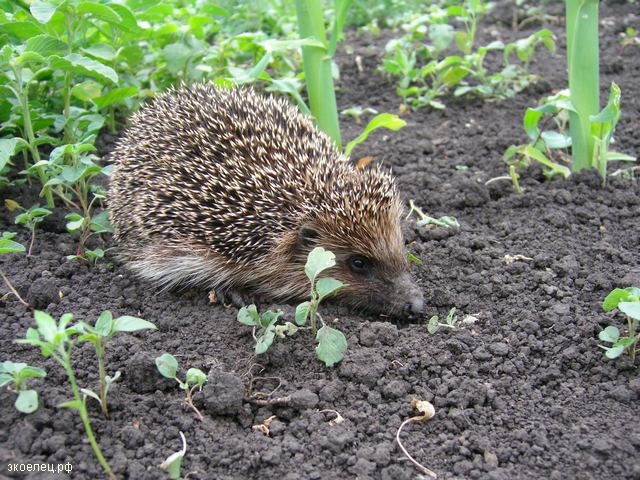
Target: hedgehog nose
{"points": [[414, 306]]}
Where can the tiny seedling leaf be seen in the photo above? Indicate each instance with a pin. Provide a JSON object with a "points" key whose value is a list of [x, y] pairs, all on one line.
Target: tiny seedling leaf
{"points": [[269, 318], [127, 323], [167, 365], [616, 296], [173, 463], [302, 313], [104, 324], [249, 316], [318, 260], [265, 340], [92, 394], [327, 286], [331, 345], [27, 401], [9, 246], [434, 324], [77, 404], [614, 352], [610, 334], [195, 376], [631, 309], [387, 120], [46, 325]]}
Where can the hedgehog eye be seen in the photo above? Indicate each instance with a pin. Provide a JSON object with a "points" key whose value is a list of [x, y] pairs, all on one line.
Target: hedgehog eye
{"points": [[359, 264]]}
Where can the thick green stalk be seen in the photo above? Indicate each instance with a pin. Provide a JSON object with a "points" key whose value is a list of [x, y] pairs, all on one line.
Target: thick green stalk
{"points": [[317, 68], [584, 77]]}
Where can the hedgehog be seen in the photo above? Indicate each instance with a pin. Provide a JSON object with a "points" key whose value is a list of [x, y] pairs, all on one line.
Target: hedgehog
{"points": [[228, 189]]}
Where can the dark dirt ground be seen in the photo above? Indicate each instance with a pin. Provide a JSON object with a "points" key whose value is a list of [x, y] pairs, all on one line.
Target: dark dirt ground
{"points": [[521, 393]]}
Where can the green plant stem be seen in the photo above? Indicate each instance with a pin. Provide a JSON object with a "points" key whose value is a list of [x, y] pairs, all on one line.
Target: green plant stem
{"points": [[317, 68], [584, 77], [64, 358], [101, 375], [22, 95]]}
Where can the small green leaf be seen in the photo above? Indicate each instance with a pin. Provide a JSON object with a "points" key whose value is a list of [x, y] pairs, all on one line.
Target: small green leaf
{"points": [[167, 365], [386, 120], [42, 11], [174, 462], [104, 325], [331, 345], [195, 376], [613, 352], [47, 326], [77, 404], [249, 316], [265, 340], [612, 300], [92, 394], [302, 313], [318, 260], [433, 325], [127, 323], [27, 401], [328, 286], [610, 334], [81, 65], [115, 95], [631, 309], [9, 246]]}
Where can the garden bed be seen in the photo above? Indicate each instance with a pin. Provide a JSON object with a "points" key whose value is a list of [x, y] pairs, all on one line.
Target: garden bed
{"points": [[520, 387]]}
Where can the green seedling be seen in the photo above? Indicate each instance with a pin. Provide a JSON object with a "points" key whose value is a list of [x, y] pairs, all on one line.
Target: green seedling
{"points": [[434, 323], [87, 225], [105, 328], [627, 300], [194, 380], [629, 37], [424, 219], [16, 376], [265, 329], [331, 342], [173, 463], [29, 218], [7, 245], [57, 340]]}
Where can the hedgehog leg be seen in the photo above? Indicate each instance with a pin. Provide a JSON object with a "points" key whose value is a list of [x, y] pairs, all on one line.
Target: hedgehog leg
{"points": [[236, 297]]}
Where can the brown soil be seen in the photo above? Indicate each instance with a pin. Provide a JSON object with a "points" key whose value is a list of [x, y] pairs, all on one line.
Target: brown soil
{"points": [[521, 389]]}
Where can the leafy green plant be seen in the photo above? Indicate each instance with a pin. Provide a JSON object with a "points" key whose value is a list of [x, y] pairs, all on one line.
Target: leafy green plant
{"points": [[265, 328], [195, 378], [434, 323], [545, 145], [87, 225], [29, 218], [331, 342], [426, 74], [629, 37], [7, 245], [57, 340], [105, 328], [627, 300], [424, 219], [17, 375]]}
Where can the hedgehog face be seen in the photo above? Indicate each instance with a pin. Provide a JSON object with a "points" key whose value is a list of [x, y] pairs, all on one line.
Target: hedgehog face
{"points": [[372, 263]]}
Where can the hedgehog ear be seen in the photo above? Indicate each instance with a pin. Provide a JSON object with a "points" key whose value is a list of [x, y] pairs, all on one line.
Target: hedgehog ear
{"points": [[307, 238]]}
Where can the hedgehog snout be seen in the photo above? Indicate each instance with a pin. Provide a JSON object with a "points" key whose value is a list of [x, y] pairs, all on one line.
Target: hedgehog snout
{"points": [[415, 298]]}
